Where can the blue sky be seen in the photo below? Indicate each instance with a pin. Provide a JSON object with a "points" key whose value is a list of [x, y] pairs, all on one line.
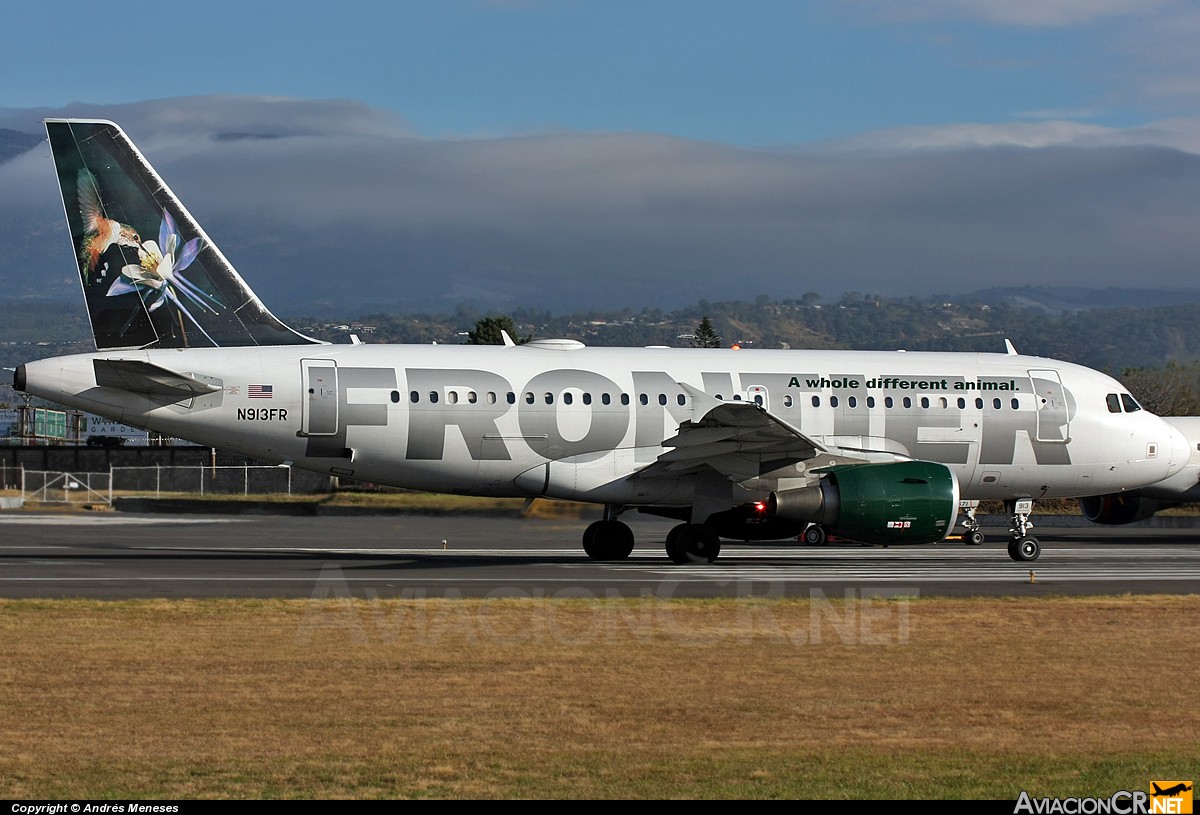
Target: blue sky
{"points": [[519, 151], [762, 72]]}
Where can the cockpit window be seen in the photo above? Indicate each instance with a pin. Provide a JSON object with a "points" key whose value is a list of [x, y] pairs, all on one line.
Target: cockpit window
{"points": [[1114, 403], [1130, 403]]}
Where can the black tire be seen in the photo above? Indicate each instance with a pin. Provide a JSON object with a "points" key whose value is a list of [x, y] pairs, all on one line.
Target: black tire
{"points": [[695, 543], [974, 538], [1024, 549], [673, 543], [608, 540], [814, 536]]}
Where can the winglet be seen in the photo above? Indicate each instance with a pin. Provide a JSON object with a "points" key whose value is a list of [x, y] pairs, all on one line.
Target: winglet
{"points": [[702, 403], [508, 341], [1009, 349]]}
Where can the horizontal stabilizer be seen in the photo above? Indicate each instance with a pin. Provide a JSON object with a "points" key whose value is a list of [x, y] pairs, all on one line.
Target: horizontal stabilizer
{"points": [[136, 376]]}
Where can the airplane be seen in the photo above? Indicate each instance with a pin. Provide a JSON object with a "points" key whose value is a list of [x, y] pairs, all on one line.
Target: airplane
{"points": [[878, 447], [1169, 792], [1130, 506]]}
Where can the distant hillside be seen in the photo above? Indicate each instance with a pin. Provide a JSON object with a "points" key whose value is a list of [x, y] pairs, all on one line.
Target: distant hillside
{"points": [[1110, 339], [1077, 298], [14, 142]]}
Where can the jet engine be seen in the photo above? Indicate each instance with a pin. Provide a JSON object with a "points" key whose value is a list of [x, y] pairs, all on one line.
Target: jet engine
{"points": [[1120, 507], [894, 502]]}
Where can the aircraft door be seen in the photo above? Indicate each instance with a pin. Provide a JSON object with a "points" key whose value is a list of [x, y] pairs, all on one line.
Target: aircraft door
{"points": [[319, 405], [1053, 420]]}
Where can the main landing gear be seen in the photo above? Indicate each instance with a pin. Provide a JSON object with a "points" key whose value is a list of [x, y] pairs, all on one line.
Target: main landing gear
{"points": [[608, 539], [1023, 546], [693, 543], [973, 536]]}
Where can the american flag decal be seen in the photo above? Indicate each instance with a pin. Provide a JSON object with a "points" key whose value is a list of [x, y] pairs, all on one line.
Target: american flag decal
{"points": [[260, 391]]}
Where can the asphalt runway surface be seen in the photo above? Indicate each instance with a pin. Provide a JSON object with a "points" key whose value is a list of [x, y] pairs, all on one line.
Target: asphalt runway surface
{"points": [[120, 555]]}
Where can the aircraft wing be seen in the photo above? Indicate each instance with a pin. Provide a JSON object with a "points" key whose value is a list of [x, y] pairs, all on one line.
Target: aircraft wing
{"points": [[149, 379], [740, 440]]}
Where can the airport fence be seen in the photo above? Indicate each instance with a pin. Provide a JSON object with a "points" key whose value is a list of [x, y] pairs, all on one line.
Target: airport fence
{"points": [[45, 487], [244, 479], [249, 479]]}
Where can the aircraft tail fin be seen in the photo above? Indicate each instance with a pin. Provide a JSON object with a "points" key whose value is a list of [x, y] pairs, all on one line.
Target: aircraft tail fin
{"points": [[151, 277]]}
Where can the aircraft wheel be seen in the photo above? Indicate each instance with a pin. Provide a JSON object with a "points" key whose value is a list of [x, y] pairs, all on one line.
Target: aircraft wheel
{"points": [[974, 538], [693, 543], [1024, 549], [814, 536], [673, 542], [608, 540]]}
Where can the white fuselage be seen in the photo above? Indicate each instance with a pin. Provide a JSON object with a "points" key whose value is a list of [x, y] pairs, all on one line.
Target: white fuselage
{"points": [[485, 420]]}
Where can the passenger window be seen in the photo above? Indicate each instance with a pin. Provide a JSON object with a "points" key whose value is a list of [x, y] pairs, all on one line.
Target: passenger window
{"points": [[833, 401], [662, 399], [549, 399], [996, 403], [681, 399], [395, 397], [962, 403], [587, 398], [852, 401], [472, 397], [491, 397], [758, 400], [1131, 406], [889, 402], [530, 398], [787, 400], [925, 402], [414, 397], [452, 397], [605, 399], [979, 403], [907, 402], [624, 399], [568, 398], [512, 398], [943, 403], [816, 400], [644, 399], [1015, 403], [433, 397], [870, 401]]}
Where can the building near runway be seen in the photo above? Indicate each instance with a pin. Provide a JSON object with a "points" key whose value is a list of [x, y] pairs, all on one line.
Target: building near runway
{"points": [[31, 426]]}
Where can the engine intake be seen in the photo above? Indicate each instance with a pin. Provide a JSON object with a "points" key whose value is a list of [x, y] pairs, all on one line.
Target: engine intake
{"points": [[896, 502]]}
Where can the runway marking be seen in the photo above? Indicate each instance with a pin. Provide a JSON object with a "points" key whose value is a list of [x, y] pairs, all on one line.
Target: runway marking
{"points": [[106, 520]]}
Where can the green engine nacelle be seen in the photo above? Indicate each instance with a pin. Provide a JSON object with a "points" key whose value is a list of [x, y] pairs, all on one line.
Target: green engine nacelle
{"points": [[898, 502]]}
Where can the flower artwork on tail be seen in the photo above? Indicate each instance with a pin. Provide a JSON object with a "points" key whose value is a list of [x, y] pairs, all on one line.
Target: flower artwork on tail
{"points": [[157, 278]]}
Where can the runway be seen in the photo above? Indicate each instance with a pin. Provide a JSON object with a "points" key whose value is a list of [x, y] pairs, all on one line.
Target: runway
{"points": [[120, 556]]}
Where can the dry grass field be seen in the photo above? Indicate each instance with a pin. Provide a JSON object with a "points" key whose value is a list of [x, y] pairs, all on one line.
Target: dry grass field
{"points": [[489, 699]]}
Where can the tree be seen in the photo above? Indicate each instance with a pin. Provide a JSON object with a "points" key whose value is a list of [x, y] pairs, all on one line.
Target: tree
{"points": [[487, 331], [706, 335], [1173, 390]]}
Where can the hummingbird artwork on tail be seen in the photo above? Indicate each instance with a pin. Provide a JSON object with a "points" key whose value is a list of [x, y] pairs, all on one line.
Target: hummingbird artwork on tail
{"points": [[100, 232]]}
